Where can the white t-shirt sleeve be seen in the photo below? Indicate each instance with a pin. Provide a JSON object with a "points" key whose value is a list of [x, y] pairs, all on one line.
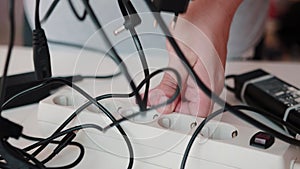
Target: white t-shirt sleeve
{"points": [[247, 28]]}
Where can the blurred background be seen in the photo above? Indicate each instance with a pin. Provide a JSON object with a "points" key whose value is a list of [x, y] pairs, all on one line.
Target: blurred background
{"points": [[281, 40]]}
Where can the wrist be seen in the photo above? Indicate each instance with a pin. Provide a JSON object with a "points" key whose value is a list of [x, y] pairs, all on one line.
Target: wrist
{"points": [[200, 52]]}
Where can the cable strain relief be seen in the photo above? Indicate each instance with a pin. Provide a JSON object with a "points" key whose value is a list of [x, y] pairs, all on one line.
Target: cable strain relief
{"points": [[39, 37], [41, 55]]}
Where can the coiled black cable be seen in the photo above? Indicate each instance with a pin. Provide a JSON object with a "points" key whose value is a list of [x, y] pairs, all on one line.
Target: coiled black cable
{"points": [[115, 123], [108, 114], [73, 164], [44, 143]]}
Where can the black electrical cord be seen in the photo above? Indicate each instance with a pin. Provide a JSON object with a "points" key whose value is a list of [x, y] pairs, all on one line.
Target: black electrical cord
{"points": [[195, 134], [116, 123], [57, 80], [134, 16], [32, 157], [206, 90], [73, 164], [54, 4], [112, 51], [78, 46], [80, 18], [138, 44], [62, 133], [40, 165], [270, 117], [231, 89], [41, 53], [120, 95], [87, 96], [53, 137], [51, 81], [10, 151], [37, 15], [50, 10], [101, 97], [106, 96], [230, 76], [198, 81], [170, 100], [266, 114], [81, 148], [18, 158], [107, 113], [81, 108], [3, 165], [102, 76], [9, 52]]}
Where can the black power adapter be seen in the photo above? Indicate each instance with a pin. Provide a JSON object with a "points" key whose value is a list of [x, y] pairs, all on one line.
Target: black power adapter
{"points": [[24, 81], [263, 90]]}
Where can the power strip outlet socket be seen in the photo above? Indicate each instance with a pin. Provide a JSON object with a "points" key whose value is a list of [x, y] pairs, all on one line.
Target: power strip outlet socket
{"points": [[161, 139]]}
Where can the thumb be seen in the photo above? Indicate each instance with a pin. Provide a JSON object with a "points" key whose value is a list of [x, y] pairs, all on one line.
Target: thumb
{"points": [[163, 92]]}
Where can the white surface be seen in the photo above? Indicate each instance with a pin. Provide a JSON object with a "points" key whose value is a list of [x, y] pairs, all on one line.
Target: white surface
{"points": [[232, 153]]}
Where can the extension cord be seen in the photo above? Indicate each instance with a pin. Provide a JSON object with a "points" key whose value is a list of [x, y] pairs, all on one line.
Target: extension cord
{"points": [[161, 139]]}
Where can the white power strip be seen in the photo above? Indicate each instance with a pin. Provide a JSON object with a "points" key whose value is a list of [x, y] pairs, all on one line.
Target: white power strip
{"points": [[162, 139]]}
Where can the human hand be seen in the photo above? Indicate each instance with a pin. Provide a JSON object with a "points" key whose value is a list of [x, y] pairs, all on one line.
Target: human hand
{"points": [[203, 39]]}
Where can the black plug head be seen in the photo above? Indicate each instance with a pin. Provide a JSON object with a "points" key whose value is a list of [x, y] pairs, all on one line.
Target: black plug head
{"points": [[174, 6], [41, 55], [9, 129]]}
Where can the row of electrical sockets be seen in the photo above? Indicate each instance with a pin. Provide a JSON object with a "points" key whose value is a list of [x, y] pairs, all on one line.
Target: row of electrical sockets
{"points": [[175, 122], [156, 136]]}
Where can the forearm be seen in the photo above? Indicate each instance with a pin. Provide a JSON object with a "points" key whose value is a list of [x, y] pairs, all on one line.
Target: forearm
{"points": [[214, 18]]}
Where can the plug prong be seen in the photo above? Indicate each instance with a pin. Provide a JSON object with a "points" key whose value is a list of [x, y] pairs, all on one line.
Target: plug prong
{"points": [[119, 30], [155, 23], [174, 21]]}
